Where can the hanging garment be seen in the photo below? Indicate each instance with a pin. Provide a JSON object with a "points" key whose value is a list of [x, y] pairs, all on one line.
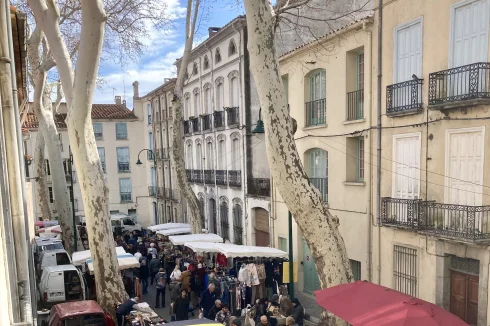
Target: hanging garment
{"points": [[221, 259], [238, 297], [261, 271], [252, 274], [243, 275]]}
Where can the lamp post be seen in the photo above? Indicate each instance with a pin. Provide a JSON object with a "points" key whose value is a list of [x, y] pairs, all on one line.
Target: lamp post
{"points": [[73, 201]]}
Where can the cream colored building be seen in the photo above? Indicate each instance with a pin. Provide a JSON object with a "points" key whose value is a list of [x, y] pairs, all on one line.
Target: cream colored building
{"points": [[328, 89], [435, 176], [118, 135], [163, 189]]}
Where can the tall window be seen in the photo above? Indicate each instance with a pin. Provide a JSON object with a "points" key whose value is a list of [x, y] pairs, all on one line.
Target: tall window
{"points": [[283, 244], [206, 62], [237, 224], [194, 69], [316, 107], [189, 160], [235, 155], [98, 131], [207, 100], [360, 71], [225, 225], [231, 48], [360, 158], [356, 269], [122, 159], [125, 189], [196, 104], [209, 156], [67, 166], [150, 144], [51, 195], [153, 176], [101, 151], [187, 105], [318, 170], [121, 130], [217, 56], [318, 88], [221, 155], [219, 97], [198, 156], [47, 167], [234, 100], [148, 111], [405, 270]]}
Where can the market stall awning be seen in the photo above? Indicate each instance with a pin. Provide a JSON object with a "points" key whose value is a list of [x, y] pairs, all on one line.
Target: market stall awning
{"points": [[179, 240], [367, 304], [46, 223], [174, 231], [125, 261], [168, 226], [50, 229], [232, 250], [80, 257]]}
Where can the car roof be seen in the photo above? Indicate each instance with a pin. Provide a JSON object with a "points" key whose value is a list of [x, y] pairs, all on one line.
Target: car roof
{"points": [[76, 308], [60, 268], [54, 251], [43, 241], [119, 216]]}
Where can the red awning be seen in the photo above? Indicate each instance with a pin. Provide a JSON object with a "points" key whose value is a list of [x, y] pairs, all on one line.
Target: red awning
{"points": [[367, 304]]}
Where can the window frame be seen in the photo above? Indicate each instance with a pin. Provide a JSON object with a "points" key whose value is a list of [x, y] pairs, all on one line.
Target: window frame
{"points": [[217, 56], [101, 137], [232, 49], [102, 161], [361, 164], [128, 161], [118, 135], [121, 193]]}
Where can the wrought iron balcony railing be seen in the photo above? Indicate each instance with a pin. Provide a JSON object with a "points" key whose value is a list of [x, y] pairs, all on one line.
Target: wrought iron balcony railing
{"points": [[187, 127], [189, 175], [152, 191], [355, 105], [448, 220], [206, 122], [197, 176], [98, 135], [453, 86], [233, 118], [195, 125], [126, 196], [322, 185], [221, 177], [235, 178], [316, 113], [259, 186], [404, 98], [209, 177], [219, 119], [150, 155], [123, 167]]}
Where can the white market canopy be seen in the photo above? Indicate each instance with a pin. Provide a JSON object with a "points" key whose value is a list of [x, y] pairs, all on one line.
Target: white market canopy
{"points": [[125, 261], [168, 226], [234, 251], [179, 240], [80, 257], [174, 231]]}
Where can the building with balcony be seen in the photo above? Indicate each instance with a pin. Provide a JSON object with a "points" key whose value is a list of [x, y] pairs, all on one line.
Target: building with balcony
{"points": [[330, 100], [163, 187], [433, 243], [117, 132]]}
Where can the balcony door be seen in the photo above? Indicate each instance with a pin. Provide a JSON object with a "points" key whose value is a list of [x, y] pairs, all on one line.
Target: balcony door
{"points": [[406, 166], [317, 160]]}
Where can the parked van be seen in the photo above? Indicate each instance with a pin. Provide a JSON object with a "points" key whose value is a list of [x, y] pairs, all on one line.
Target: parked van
{"points": [[55, 257], [124, 222], [42, 244], [61, 284], [81, 313]]}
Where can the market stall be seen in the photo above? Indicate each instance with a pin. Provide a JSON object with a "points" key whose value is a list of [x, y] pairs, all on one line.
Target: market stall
{"points": [[174, 231], [168, 226], [179, 240], [235, 251], [80, 257], [125, 261]]}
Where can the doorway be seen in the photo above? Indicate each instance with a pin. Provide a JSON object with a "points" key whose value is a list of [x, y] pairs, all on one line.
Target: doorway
{"points": [[464, 296], [262, 238], [311, 280]]}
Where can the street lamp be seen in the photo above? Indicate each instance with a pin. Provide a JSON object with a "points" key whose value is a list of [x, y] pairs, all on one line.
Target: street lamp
{"points": [[138, 162]]}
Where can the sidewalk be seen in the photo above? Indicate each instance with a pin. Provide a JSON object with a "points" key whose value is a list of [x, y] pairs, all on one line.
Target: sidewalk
{"points": [[313, 311]]}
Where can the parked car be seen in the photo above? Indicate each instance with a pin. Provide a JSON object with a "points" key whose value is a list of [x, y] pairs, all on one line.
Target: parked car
{"points": [[124, 222], [59, 284], [81, 313], [54, 257]]}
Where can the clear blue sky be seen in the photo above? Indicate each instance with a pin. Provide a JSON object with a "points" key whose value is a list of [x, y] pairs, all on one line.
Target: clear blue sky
{"points": [[163, 48]]}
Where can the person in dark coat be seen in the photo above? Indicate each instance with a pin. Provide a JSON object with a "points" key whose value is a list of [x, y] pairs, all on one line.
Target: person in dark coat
{"points": [[154, 267], [181, 306], [144, 273], [125, 308], [208, 298], [298, 312], [214, 310]]}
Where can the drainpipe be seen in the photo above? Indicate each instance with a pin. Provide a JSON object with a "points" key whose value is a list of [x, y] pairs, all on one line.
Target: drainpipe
{"points": [[15, 166], [370, 188], [378, 129]]}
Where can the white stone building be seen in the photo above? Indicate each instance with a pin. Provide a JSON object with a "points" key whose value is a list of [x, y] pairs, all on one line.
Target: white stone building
{"points": [[118, 134]]}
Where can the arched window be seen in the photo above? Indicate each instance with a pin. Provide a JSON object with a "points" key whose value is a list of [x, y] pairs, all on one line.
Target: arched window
{"points": [[235, 152], [316, 107], [217, 56], [194, 69], [209, 155], [187, 105], [221, 152], [317, 163], [225, 224], [196, 102], [188, 155], [207, 99], [220, 94], [198, 156], [205, 62], [231, 48], [237, 223], [234, 92]]}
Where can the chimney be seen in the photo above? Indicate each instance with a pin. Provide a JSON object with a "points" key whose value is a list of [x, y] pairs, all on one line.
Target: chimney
{"points": [[166, 80], [124, 103], [117, 99], [136, 92], [213, 30]]}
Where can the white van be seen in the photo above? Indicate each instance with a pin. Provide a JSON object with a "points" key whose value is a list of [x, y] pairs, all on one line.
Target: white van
{"points": [[61, 284], [55, 257], [125, 222]]}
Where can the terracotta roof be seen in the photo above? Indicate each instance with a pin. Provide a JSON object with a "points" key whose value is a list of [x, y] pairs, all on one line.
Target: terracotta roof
{"points": [[99, 112], [368, 18]]}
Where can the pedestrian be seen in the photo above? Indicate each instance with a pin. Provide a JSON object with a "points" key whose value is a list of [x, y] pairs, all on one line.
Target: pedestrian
{"points": [[264, 321], [185, 279], [208, 298], [144, 273], [223, 316], [160, 285], [125, 308], [174, 288], [181, 306], [175, 274], [154, 267], [298, 312], [290, 321], [214, 310], [152, 250]]}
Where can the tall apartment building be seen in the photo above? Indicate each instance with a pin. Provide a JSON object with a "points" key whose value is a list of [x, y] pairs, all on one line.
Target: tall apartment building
{"points": [[163, 189], [118, 135]]}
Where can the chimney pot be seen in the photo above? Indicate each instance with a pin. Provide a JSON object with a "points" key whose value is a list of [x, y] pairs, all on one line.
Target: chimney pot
{"points": [[136, 89], [117, 100], [213, 30]]}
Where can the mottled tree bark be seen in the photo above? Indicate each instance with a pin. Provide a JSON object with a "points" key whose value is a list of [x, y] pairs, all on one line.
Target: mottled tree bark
{"points": [[319, 227], [41, 184]]}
